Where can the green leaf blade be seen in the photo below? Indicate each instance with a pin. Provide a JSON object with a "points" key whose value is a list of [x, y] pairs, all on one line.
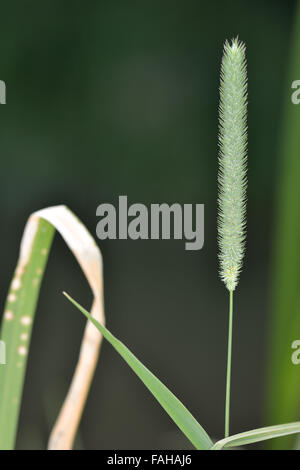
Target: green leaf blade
{"points": [[282, 402], [175, 409], [18, 320], [16, 331], [258, 435]]}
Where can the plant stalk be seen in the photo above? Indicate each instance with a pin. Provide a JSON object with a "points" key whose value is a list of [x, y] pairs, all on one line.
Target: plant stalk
{"points": [[229, 354]]}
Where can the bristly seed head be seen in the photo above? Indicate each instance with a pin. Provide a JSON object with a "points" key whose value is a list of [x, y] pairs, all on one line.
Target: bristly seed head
{"points": [[232, 177]]}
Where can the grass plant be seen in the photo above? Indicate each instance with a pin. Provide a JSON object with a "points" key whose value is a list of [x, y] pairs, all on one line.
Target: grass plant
{"points": [[232, 180], [24, 290]]}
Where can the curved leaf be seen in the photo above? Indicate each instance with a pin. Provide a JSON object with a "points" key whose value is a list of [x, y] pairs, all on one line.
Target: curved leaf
{"points": [[175, 409], [18, 320], [257, 435]]}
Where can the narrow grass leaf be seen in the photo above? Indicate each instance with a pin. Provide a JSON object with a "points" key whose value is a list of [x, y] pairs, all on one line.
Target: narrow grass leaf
{"points": [[19, 315], [257, 435], [176, 410], [283, 394], [16, 329]]}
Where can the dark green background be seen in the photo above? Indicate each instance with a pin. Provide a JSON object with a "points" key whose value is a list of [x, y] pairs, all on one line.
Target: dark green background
{"points": [[106, 98]]}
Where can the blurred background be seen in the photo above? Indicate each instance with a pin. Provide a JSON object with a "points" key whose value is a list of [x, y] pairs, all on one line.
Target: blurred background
{"points": [[113, 98]]}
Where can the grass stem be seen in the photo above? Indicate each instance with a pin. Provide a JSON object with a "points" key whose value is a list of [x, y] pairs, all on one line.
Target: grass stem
{"points": [[229, 353]]}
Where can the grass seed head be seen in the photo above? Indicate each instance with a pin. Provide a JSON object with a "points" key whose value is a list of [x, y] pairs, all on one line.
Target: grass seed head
{"points": [[232, 177]]}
